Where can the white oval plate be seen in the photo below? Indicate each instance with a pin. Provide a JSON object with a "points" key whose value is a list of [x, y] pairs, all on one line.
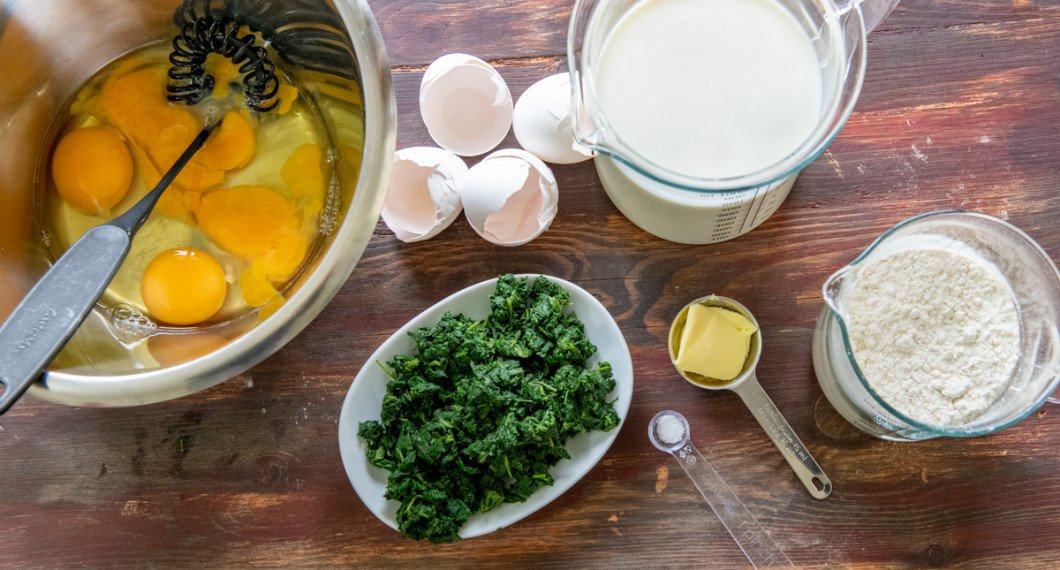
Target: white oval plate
{"points": [[365, 398]]}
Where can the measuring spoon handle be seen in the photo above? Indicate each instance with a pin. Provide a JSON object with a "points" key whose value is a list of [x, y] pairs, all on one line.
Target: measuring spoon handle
{"points": [[789, 444], [745, 529]]}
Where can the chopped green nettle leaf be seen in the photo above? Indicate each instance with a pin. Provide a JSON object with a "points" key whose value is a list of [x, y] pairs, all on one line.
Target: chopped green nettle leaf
{"points": [[477, 416]]}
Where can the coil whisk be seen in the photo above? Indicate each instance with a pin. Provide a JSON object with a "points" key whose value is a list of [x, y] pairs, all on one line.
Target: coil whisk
{"points": [[215, 33]]}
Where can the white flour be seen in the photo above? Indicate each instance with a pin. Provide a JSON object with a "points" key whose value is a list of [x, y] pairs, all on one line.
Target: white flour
{"points": [[935, 333]]}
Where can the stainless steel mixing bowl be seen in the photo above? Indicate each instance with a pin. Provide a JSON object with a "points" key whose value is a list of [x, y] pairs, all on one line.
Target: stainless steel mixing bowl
{"points": [[48, 48]]}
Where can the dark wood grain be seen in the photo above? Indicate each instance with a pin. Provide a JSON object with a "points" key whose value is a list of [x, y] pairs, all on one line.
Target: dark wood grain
{"points": [[960, 109]]}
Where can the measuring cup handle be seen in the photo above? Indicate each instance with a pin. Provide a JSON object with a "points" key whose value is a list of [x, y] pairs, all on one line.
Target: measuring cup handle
{"points": [[789, 444]]}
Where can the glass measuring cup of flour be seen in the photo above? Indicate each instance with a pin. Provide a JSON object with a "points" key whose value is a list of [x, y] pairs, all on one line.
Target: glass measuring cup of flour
{"points": [[693, 209], [754, 397], [1035, 285]]}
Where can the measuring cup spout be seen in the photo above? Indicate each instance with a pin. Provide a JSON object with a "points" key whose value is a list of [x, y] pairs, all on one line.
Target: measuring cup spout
{"points": [[872, 11], [833, 288], [587, 132]]}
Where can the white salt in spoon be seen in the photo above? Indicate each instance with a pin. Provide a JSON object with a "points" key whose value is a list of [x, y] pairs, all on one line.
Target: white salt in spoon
{"points": [[669, 432]]}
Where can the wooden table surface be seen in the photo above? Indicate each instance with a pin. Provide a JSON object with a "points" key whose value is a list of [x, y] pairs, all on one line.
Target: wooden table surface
{"points": [[960, 109]]}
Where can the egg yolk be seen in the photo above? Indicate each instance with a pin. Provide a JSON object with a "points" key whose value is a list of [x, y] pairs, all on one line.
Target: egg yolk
{"points": [[251, 221], [303, 175], [286, 94], [136, 103], [92, 169], [183, 286], [256, 286], [127, 99], [225, 75], [174, 349], [231, 145], [261, 225]]}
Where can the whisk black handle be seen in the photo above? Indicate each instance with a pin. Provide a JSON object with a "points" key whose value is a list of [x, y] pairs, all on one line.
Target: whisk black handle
{"points": [[53, 309], [56, 306]]}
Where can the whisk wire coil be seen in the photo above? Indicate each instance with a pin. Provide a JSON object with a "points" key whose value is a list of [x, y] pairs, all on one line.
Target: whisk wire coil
{"points": [[215, 33]]}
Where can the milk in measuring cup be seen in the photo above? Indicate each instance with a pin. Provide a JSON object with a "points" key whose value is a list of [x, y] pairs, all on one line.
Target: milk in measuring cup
{"points": [[711, 89]]}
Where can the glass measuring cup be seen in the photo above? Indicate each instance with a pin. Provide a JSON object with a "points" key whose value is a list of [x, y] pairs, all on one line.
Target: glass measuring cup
{"points": [[689, 209], [1035, 285], [755, 398]]}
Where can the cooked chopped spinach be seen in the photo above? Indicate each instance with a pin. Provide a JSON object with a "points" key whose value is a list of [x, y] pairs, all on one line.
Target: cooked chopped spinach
{"points": [[480, 412]]}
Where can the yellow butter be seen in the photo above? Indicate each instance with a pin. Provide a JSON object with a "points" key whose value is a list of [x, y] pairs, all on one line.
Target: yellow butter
{"points": [[715, 342]]}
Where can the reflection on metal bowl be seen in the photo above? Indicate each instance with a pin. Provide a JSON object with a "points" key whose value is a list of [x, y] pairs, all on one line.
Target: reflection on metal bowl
{"points": [[118, 358]]}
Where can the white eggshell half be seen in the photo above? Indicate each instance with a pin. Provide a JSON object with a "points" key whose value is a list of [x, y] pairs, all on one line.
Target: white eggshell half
{"points": [[423, 197], [543, 122], [510, 197], [465, 104]]}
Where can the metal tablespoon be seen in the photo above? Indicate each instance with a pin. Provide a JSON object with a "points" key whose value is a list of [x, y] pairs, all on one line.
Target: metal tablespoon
{"points": [[754, 397]]}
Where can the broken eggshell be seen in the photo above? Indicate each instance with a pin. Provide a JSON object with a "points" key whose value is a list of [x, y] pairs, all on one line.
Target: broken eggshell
{"points": [[510, 197], [465, 104], [423, 197], [543, 122]]}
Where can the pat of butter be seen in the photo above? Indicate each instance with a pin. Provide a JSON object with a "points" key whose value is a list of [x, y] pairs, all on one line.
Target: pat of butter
{"points": [[715, 342]]}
